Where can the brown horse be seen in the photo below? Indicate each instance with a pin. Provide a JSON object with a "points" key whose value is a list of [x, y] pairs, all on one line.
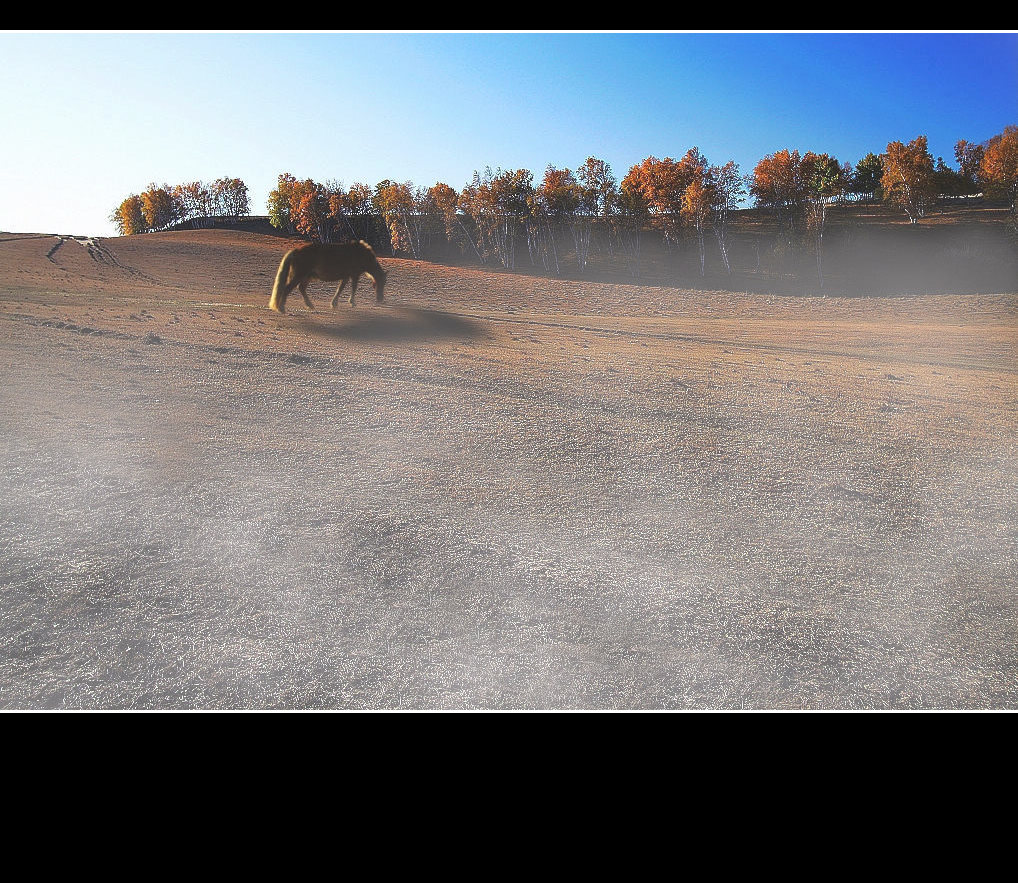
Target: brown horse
{"points": [[345, 261]]}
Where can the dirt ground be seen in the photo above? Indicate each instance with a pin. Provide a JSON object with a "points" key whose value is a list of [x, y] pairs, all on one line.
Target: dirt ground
{"points": [[495, 491]]}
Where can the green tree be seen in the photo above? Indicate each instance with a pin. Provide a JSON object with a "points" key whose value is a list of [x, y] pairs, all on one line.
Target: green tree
{"points": [[969, 157], [869, 172], [824, 182], [946, 181], [279, 203]]}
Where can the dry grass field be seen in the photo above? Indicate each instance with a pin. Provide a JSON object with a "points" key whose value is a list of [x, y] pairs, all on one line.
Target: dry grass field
{"points": [[495, 491]]}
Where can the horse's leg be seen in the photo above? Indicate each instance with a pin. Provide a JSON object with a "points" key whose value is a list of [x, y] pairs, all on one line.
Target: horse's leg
{"points": [[304, 293], [353, 289], [335, 299], [284, 294]]}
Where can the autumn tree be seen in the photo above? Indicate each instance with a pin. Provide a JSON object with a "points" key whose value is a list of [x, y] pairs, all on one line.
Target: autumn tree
{"points": [[556, 206], [662, 184], [309, 210], [129, 216], [339, 209], [361, 202], [445, 200], [474, 203], [908, 179], [999, 166], [411, 216], [552, 206], [159, 207], [301, 207], [711, 195], [511, 193], [395, 203], [498, 204], [696, 209], [776, 185], [195, 203]]}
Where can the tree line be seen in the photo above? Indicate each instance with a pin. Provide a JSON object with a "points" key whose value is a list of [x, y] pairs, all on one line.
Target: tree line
{"points": [[162, 206], [503, 216]]}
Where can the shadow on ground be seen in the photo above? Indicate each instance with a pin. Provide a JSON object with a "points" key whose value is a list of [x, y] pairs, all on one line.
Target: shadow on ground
{"points": [[397, 324]]}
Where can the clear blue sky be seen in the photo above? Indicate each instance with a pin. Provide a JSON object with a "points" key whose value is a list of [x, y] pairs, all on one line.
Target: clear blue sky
{"points": [[86, 119]]}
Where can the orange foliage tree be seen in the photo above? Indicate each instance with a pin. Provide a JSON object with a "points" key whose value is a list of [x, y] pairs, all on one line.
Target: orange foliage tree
{"points": [[498, 205], [195, 203], [696, 209], [776, 185], [999, 166], [159, 207], [552, 208], [129, 216], [662, 184], [908, 180], [309, 210], [446, 202], [411, 215], [712, 193]]}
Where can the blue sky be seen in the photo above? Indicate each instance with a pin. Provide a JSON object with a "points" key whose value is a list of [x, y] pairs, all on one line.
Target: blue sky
{"points": [[88, 118]]}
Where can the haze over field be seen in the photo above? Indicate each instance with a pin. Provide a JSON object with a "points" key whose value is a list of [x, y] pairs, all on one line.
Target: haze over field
{"points": [[494, 490], [606, 443], [90, 118]]}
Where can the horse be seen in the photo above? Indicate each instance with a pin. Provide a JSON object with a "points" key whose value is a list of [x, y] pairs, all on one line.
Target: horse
{"points": [[345, 261]]}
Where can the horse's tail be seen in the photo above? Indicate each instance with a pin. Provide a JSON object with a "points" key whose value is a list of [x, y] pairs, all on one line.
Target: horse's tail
{"points": [[376, 271], [278, 300]]}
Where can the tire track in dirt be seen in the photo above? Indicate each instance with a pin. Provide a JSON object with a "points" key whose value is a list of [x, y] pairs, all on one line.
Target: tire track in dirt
{"points": [[100, 253]]}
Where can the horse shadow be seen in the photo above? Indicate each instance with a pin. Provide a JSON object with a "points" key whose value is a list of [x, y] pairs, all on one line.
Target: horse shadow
{"points": [[400, 325]]}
